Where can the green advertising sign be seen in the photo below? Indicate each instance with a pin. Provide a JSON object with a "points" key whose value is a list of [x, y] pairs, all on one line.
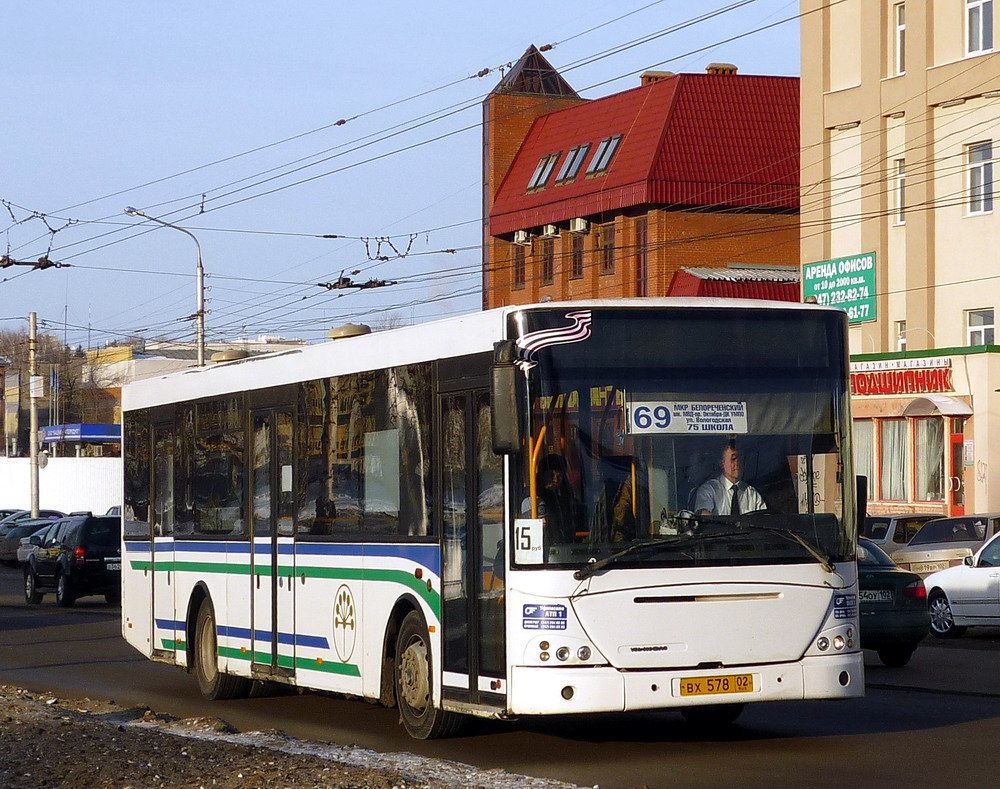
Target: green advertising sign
{"points": [[847, 283]]}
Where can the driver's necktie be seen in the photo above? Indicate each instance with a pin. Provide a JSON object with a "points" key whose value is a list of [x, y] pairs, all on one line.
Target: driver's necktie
{"points": [[734, 507]]}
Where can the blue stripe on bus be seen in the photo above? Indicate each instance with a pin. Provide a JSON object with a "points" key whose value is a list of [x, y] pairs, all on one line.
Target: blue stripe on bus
{"points": [[316, 642], [170, 624]]}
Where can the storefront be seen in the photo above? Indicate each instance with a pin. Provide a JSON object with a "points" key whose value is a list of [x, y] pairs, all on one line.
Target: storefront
{"points": [[924, 422]]}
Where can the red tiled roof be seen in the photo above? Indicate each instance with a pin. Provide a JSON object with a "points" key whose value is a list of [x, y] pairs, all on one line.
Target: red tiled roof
{"points": [[691, 139]]}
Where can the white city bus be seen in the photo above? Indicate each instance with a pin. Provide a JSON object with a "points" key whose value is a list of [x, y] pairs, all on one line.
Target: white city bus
{"points": [[494, 515]]}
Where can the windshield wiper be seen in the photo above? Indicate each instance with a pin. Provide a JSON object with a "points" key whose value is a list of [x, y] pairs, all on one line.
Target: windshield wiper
{"points": [[594, 566], [786, 534]]}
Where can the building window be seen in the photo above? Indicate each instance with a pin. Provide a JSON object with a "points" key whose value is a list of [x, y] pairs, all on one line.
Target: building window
{"points": [[978, 26], [899, 17], [929, 449], [543, 171], [892, 460], [576, 255], [979, 158], [547, 251], [571, 166], [605, 153], [605, 247], [641, 257], [900, 335], [864, 448], [518, 276], [980, 327], [899, 191]]}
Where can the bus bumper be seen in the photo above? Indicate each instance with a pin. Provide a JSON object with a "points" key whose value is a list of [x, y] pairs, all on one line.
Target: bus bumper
{"points": [[543, 690]]}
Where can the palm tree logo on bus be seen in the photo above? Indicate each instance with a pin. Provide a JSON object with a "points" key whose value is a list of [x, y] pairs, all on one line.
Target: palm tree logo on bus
{"points": [[345, 624]]}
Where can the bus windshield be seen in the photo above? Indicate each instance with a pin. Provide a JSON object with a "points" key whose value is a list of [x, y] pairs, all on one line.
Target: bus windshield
{"points": [[717, 436]]}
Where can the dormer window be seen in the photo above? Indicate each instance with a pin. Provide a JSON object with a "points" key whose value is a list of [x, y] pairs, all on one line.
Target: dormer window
{"points": [[573, 161], [545, 166], [605, 152]]}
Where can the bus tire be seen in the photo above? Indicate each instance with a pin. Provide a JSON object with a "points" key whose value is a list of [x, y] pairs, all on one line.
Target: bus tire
{"points": [[213, 684], [413, 678]]}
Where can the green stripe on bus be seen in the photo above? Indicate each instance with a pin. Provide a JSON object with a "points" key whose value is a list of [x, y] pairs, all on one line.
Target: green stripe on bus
{"points": [[285, 661], [169, 643], [407, 579]]}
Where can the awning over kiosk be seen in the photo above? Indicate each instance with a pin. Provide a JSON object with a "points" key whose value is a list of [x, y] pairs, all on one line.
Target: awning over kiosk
{"points": [[935, 404]]}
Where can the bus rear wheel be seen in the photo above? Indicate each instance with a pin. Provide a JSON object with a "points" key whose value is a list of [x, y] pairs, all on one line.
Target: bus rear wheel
{"points": [[213, 684], [414, 684]]}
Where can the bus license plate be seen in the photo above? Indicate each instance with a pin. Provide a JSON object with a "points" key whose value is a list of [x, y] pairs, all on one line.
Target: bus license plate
{"points": [[114, 565], [711, 686]]}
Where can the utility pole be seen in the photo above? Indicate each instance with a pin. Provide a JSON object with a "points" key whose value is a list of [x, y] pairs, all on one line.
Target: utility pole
{"points": [[33, 398]]}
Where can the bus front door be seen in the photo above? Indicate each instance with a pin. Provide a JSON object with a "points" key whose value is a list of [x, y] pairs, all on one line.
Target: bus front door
{"points": [[272, 555], [473, 553]]}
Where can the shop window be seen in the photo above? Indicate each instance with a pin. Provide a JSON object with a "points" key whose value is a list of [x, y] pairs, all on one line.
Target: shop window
{"points": [[864, 449], [893, 459], [929, 452], [980, 327]]}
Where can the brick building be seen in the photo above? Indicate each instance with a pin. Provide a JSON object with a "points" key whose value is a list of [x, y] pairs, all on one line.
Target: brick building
{"points": [[611, 197]]}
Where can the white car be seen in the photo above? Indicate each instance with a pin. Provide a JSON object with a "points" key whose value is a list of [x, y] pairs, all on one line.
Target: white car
{"points": [[967, 595]]}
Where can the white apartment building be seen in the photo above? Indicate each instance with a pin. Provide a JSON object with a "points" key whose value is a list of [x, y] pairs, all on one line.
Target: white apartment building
{"points": [[900, 113]]}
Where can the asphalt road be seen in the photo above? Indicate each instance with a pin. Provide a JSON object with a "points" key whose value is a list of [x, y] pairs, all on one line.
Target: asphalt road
{"points": [[897, 735]]}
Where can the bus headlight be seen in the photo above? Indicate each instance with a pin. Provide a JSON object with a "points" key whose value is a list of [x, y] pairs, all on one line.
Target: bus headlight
{"points": [[562, 653], [823, 643], [838, 642], [583, 653]]}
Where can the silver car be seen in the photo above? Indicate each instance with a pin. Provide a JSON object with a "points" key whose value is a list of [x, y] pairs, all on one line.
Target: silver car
{"points": [[892, 532], [945, 543]]}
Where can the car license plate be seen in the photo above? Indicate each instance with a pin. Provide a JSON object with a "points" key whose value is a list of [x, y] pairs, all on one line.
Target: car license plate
{"points": [[928, 567], [875, 595], [115, 565], [711, 686]]}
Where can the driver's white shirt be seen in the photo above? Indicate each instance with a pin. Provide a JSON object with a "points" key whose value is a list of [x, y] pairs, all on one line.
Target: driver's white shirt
{"points": [[715, 495]]}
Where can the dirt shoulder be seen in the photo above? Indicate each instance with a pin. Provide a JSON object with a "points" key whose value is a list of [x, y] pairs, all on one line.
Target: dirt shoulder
{"points": [[50, 742]]}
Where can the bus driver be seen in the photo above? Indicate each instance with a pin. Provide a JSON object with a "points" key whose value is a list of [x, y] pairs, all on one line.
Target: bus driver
{"points": [[727, 494]]}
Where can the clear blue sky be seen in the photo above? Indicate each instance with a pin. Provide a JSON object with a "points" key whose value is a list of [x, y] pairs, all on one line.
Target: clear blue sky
{"points": [[101, 98]]}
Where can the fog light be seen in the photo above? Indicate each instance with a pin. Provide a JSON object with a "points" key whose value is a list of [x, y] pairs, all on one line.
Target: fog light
{"points": [[562, 653], [838, 642], [823, 644], [844, 678], [543, 645], [544, 656], [567, 692], [850, 633], [583, 653]]}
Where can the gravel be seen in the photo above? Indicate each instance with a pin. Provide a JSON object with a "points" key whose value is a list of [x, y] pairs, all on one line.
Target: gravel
{"points": [[51, 742]]}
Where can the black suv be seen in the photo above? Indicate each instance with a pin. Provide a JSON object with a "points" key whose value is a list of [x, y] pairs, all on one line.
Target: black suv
{"points": [[79, 555]]}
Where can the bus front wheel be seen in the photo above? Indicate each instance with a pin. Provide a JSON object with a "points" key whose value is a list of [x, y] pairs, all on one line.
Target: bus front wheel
{"points": [[414, 683], [213, 684]]}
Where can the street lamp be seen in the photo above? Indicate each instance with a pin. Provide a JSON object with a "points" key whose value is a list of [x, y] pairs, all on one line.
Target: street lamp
{"points": [[199, 314]]}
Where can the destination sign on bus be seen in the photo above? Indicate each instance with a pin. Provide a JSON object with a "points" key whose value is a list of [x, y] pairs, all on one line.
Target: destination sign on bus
{"points": [[687, 417]]}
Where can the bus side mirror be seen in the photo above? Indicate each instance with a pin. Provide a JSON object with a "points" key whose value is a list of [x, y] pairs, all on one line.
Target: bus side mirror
{"points": [[506, 388], [861, 499]]}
